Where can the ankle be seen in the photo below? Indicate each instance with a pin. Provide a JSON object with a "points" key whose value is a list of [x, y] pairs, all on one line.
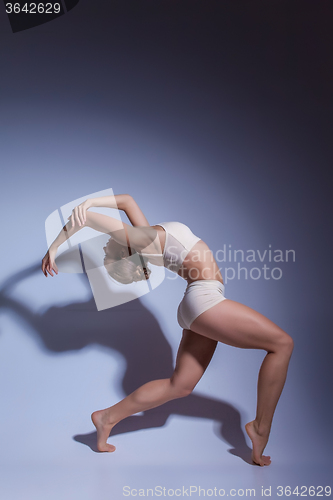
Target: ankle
{"points": [[261, 428], [105, 417]]}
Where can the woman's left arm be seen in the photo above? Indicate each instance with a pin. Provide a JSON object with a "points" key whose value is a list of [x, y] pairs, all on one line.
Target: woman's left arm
{"points": [[99, 222], [48, 262]]}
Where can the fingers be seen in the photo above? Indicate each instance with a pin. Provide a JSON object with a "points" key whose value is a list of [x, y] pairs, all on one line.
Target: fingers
{"points": [[76, 210], [82, 214], [44, 267], [52, 267], [49, 267], [78, 215], [45, 270]]}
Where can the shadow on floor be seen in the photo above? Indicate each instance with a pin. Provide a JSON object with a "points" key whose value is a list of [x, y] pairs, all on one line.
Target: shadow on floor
{"points": [[125, 329]]}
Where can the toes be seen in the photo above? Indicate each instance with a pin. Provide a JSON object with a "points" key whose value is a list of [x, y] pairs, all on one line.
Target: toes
{"points": [[262, 461], [106, 447]]}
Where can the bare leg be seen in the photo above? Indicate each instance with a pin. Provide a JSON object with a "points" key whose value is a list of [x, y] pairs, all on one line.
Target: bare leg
{"points": [[240, 326], [193, 357]]}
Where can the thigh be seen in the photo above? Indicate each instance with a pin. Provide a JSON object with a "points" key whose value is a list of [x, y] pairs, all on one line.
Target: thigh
{"points": [[238, 325], [193, 357]]}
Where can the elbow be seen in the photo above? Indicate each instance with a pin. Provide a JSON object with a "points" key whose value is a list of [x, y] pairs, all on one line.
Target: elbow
{"points": [[128, 198], [126, 201]]}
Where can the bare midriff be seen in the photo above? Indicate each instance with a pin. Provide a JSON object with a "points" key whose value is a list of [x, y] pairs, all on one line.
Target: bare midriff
{"points": [[199, 263]]}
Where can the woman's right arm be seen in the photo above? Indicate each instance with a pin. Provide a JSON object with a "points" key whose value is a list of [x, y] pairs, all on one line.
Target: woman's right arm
{"points": [[123, 202]]}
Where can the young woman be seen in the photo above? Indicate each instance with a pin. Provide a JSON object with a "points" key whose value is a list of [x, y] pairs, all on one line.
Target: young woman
{"points": [[205, 315]]}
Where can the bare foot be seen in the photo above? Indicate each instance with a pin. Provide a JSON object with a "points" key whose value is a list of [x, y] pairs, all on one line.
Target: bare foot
{"points": [[258, 445], [103, 431]]}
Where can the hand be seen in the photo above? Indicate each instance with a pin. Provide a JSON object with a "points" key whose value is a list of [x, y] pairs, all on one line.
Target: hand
{"points": [[48, 262], [79, 213]]}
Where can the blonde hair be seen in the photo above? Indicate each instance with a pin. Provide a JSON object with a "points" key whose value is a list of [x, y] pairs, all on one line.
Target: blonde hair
{"points": [[127, 271]]}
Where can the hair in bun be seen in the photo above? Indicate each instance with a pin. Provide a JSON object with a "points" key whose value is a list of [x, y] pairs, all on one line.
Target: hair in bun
{"points": [[127, 271]]}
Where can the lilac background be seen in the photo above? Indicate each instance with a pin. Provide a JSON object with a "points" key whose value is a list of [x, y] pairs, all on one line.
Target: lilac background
{"points": [[215, 114]]}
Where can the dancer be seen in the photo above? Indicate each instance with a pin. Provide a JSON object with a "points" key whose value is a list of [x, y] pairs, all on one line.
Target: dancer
{"points": [[205, 314]]}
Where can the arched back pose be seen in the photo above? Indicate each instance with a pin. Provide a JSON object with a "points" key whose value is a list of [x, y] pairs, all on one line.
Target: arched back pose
{"points": [[204, 313]]}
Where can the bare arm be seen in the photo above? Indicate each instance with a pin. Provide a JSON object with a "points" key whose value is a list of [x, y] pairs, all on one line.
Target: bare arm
{"points": [[120, 231], [99, 222], [123, 202], [67, 231]]}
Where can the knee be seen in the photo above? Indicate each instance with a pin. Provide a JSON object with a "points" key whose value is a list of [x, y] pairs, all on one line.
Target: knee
{"points": [[180, 389], [286, 344]]}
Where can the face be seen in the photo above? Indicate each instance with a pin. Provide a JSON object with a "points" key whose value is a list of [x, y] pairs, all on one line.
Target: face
{"points": [[114, 251]]}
